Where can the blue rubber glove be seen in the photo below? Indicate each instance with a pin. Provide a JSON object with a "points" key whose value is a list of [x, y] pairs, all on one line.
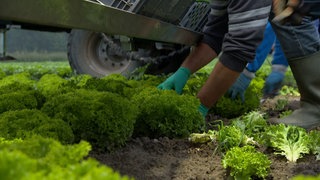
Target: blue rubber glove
{"points": [[203, 110], [273, 84], [240, 86], [176, 81]]}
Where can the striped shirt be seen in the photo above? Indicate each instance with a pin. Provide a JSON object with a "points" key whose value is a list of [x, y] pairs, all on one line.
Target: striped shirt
{"points": [[235, 28]]}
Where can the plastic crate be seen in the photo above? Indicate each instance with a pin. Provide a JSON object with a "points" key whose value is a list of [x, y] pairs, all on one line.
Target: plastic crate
{"points": [[186, 13], [127, 5], [171, 11], [196, 17]]}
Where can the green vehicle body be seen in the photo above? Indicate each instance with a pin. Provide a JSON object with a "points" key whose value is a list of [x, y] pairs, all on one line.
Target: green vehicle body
{"points": [[145, 28]]}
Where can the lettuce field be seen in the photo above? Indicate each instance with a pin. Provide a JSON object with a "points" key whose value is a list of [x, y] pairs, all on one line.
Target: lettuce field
{"points": [[55, 124]]}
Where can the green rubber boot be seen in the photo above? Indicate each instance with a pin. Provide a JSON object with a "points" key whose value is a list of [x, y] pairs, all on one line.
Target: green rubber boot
{"points": [[306, 71]]}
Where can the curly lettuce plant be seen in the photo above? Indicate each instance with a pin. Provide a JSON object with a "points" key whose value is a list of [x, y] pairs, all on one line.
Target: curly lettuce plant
{"points": [[16, 82], [104, 119], [253, 124], [2, 74], [314, 144], [305, 177], [231, 108], [26, 123], [246, 163], [43, 158], [165, 113], [48, 150], [51, 85], [114, 83], [231, 136], [19, 100], [289, 141], [195, 83]]}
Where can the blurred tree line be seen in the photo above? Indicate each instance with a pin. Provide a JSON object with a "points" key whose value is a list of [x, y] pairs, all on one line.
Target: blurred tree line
{"points": [[19, 40]]}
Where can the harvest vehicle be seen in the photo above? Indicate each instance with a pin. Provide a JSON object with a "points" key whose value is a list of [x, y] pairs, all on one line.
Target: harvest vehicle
{"points": [[114, 36]]}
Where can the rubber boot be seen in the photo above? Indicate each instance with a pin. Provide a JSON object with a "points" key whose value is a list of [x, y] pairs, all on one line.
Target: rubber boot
{"points": [[307, 75]]}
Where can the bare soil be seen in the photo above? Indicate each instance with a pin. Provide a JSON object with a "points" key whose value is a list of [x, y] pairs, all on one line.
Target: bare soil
{"points": [[178, 159]]}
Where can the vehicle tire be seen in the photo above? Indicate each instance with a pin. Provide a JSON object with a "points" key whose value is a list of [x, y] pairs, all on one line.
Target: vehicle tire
{"points": [[89, 53]]}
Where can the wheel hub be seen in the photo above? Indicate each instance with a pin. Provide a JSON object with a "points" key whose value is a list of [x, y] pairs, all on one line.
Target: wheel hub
{"points": [[110, 57]]}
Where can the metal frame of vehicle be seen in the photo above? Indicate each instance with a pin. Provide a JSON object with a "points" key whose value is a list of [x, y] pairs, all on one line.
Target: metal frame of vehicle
{"points": [[141, 27], [93, 16]]}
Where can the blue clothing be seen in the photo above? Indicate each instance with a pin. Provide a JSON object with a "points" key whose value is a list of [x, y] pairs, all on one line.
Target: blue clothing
{"points": [[302, 40], [264, 49], [298, 41], [234, 30], [278, 55]]}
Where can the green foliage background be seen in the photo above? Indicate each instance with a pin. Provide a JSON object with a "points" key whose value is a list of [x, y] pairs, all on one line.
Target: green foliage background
{"points": [[20, 40]]}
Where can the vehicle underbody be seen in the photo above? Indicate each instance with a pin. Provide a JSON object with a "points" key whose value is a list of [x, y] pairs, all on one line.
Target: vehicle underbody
{"points": [[114, 36]]}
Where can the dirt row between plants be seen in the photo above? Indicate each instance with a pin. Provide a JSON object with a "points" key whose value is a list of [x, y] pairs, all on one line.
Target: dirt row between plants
{"points": [[164, 159], [178, 159]]}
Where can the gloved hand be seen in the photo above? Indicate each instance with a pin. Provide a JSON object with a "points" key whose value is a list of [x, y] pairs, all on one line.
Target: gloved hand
{"points": [[176, 81], [203, 110], [241, 85], [289, 11], [273, 84]]}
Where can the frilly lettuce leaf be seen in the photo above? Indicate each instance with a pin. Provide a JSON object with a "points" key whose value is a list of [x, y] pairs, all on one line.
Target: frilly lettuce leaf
{"points": [[289, 141]]}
